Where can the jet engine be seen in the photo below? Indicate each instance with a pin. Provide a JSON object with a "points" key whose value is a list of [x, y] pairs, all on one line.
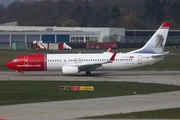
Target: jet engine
{"points": [[70, 70]]}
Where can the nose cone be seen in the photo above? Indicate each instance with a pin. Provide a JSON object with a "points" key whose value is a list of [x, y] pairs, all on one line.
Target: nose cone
{"points": [[9, 64]]}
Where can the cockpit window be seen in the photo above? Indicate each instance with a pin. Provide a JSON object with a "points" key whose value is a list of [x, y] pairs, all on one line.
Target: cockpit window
{"points": [[15, 60]]}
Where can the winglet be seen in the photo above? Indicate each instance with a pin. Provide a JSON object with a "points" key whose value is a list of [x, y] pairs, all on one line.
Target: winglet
{"points": [[109, 50], [112, 58]]}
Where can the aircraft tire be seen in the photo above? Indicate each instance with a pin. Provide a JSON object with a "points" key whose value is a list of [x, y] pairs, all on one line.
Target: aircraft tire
{"points": [[88, 73], [22, 74]]}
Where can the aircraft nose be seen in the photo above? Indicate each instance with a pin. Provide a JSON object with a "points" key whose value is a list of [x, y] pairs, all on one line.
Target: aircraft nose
{"points": [[9, 64]]}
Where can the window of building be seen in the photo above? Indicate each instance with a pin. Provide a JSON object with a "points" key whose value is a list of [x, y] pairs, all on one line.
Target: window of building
{"points": [[77, 39], [91, 39]]}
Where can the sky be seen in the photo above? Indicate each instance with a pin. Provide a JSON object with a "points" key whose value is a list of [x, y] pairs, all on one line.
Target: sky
{"points": [[7, 2]]}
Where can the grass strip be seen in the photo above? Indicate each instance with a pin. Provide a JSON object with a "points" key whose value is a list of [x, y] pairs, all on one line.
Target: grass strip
{"points": [[16, 92]]}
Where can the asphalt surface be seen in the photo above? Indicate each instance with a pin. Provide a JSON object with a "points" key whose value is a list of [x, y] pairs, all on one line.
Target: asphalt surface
{"points": [[164, 77], [73, 109]]}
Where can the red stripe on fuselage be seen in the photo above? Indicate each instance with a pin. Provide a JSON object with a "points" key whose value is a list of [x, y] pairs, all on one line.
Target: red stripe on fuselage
{"points": [[38, 62], [32, 62]]}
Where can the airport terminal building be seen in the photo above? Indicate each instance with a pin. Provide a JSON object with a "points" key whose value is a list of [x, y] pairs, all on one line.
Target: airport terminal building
{"points": [[76, 35], [27, 34]]}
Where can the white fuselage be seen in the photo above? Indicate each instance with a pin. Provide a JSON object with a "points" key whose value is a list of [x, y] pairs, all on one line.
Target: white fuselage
{"points": [[121, 61]]}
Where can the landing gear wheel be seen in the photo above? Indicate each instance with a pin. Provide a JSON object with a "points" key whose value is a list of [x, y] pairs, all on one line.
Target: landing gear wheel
{"points": [[88, 73], [22, 73]]}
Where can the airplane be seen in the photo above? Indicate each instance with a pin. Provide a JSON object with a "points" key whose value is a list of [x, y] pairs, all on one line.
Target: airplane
{"points": [[71, 64]]}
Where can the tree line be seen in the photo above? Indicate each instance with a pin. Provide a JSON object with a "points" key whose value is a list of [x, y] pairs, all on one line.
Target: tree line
{"points": [[138, 14]]}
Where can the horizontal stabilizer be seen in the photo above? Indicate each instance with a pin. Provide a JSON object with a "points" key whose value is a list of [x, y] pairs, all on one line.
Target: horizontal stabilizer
{"points": [[160, 55]]}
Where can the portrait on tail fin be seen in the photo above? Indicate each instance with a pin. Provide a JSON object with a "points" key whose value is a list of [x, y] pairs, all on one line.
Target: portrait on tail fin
{"points": [[159, 45]]}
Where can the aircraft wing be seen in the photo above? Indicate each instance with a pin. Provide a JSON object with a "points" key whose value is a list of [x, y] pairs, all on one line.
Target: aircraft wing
{"points": [[94, 66], [160, 55]]}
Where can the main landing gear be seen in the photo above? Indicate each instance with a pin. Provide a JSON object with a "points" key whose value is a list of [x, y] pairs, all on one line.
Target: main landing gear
{"points": [[88, 73]]}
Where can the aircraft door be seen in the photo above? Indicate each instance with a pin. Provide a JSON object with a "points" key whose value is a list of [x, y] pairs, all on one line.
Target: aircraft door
{"points": [[26, 60], [139, 59]]}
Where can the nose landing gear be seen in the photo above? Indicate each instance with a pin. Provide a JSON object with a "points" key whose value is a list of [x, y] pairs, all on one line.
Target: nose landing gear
{"points": [[22, 73]]}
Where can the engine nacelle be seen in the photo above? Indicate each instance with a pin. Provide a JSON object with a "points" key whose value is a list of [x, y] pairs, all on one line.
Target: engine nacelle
{"points": [[70, 69]]}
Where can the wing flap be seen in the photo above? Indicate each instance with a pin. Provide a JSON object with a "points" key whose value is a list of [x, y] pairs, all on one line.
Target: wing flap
{"points": [[92, 66]]}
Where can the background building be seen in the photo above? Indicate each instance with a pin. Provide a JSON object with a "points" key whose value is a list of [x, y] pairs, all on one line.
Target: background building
{"points": [[77, 37], [27, 34]]}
